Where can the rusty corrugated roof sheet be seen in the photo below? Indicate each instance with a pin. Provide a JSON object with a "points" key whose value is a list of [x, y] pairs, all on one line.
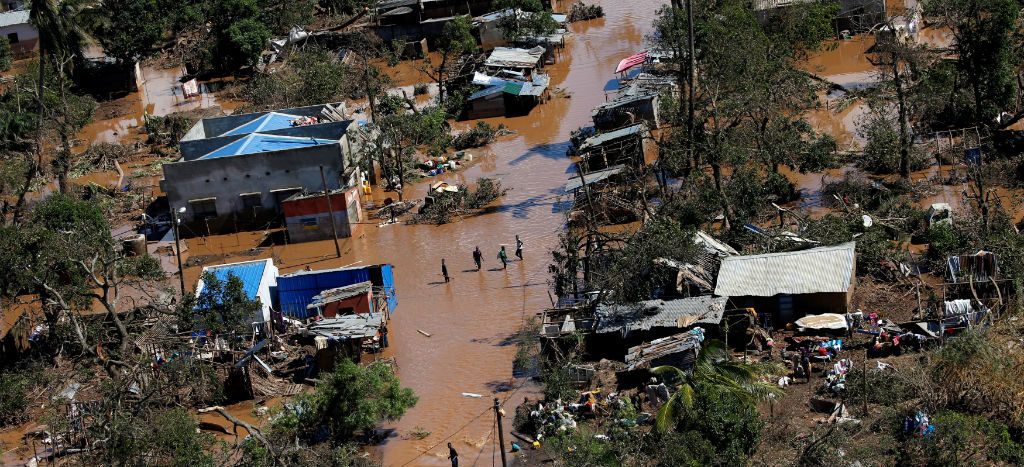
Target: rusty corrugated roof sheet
{"points": [[817, 270]]}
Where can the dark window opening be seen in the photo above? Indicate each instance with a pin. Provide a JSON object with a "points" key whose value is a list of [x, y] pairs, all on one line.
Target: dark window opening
{"points": [[204, 208]]}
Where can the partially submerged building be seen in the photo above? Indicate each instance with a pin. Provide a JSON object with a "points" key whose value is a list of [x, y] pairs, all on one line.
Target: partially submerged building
{"points": [[307, 216], [786, 286], [491, 36], [298, 290], [506, 95], [524, 62], [258, 280], [637, 102], [244, 164], [626, 145], [347, 300]]}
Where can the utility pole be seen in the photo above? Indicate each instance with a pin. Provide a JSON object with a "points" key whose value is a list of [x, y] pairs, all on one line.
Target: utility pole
{"points": [[501, 433], [177, 249], [330, 210]]}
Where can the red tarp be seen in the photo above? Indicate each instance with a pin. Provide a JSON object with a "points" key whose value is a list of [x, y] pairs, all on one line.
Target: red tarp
{"points": [[631, 61]]}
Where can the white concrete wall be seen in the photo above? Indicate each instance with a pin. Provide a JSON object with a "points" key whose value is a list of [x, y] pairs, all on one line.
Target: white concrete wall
{"points": [[28, 37]]}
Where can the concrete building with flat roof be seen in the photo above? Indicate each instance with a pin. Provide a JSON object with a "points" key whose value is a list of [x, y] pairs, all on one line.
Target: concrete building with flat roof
{"points": [[250, 163]]}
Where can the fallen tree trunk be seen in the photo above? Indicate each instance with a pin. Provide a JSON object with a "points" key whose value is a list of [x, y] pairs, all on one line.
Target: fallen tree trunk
{"points": [[255, 432]]}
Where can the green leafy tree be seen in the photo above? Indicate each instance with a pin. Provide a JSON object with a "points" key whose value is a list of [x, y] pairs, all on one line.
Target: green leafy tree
{"points": [[64, 253], [222, 307], [133, 28], [633, 272], [747, 107], [983, 41], [348, 401], [239, 34], [403, 133], [61, 35], [313, 76], [713, 367], [525, 19], [885, 149], [456, 40]]}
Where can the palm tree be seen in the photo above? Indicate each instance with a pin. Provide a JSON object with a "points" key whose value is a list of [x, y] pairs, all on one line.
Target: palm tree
{"points": [[60, 32], [713, 366]]}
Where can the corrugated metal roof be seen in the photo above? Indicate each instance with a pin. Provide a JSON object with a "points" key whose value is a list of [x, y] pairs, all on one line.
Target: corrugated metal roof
{"points": [[817, 270], [258, 142], [486, 92], [642, 316], [340, 293], [667, 348], [602, 138], [12, 18], [250, 273], [297, 290], [515, 57], [593, 177], [267, 122]]}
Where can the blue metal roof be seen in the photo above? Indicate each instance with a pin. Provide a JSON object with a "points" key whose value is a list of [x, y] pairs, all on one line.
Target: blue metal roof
{"points": [[270, 121], [258, 142], [250, 272], [296, 291]]}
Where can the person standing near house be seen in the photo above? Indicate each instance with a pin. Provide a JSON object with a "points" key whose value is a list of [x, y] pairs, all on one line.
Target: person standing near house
{"points": [[519, 248], [478, 258], [444, 270], [453, 455], [384, 335], [503, 257]]}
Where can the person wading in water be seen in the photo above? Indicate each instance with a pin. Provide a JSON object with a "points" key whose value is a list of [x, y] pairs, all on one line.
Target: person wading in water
{"points": [[503, 257], [478, 258]]}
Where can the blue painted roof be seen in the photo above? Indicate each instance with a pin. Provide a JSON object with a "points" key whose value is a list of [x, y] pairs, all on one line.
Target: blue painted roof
{"points": [[270, 121], [250, 272], [258, 142]]}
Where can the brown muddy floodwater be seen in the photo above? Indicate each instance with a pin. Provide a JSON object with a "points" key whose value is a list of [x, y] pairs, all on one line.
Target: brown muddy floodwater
{"points": [[472, 319]]}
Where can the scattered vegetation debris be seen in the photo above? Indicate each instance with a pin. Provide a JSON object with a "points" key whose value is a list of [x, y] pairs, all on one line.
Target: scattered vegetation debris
{"points": [[580, 11], [480, 135]]}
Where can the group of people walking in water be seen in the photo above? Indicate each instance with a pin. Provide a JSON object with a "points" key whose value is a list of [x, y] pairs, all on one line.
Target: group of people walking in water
{"points": [[478, 258]]}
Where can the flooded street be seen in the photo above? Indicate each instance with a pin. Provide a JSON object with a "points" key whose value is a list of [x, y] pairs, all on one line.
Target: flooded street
{"points": [[472, 319]]}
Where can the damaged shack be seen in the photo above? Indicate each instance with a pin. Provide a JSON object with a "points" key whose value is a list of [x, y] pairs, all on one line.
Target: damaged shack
{"points": [[626, 145], [506, 94], [296, 291], [621, 326], [638, 102], [783, 287]]}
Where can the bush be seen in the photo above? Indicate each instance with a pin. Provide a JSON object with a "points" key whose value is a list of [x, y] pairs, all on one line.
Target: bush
{"points": [[881, 154], [480, 135], [13, 397], [487, 190], [963, 439], [168, 129], [420, 89], [6, 55]]}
